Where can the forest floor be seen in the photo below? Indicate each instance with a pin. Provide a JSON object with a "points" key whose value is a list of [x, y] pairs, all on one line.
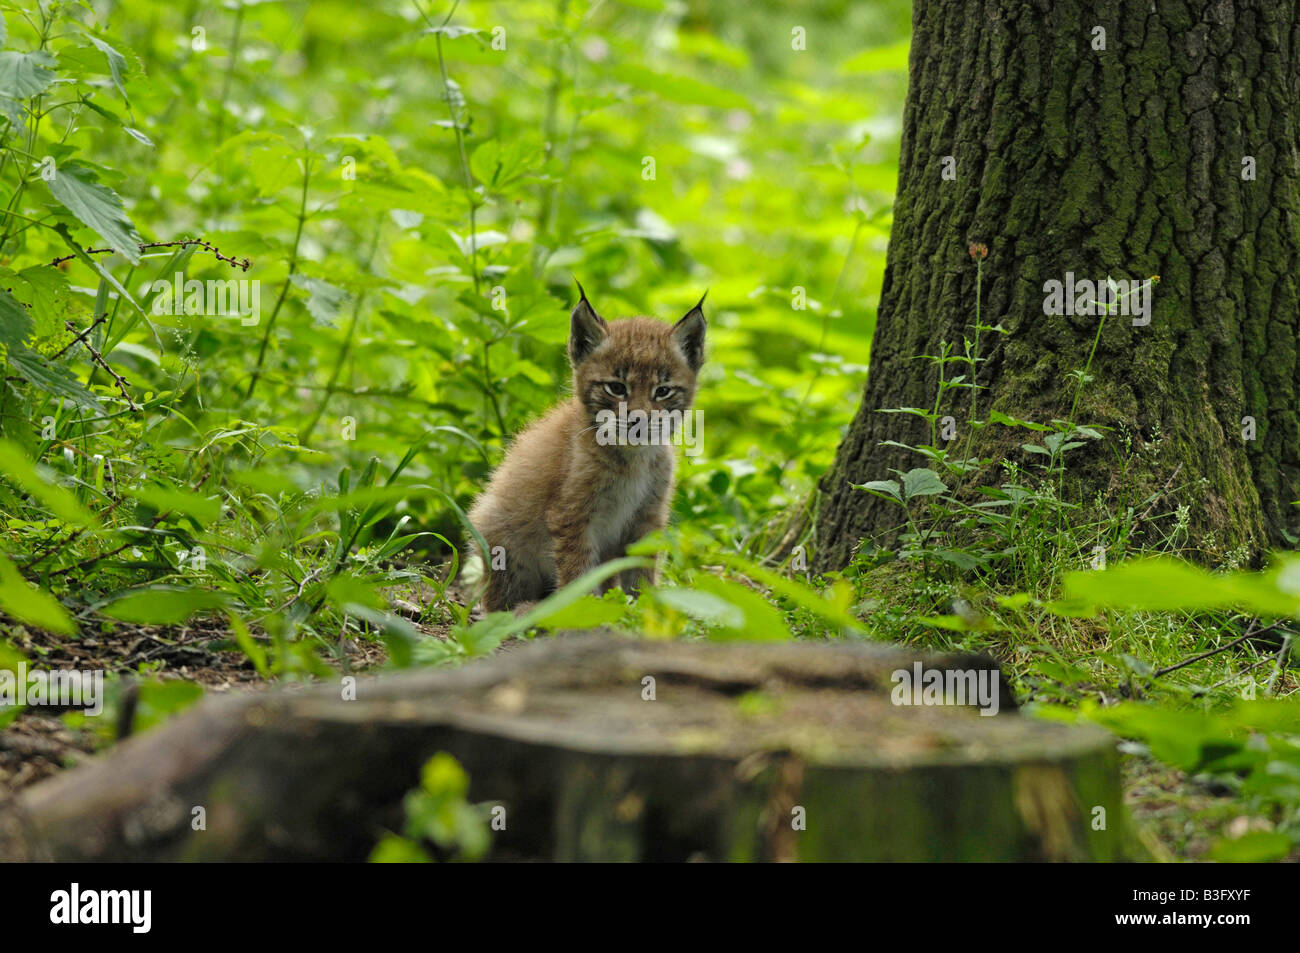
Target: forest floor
{"points": [[1176, 817]]}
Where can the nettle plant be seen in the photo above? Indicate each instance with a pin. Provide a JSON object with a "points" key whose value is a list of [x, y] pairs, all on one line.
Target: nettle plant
{"points": [[1022, 518], [263, 482]]}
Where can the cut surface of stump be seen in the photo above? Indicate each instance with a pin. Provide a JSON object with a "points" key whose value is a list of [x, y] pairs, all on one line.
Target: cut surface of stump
{"points": [[604, 748]]}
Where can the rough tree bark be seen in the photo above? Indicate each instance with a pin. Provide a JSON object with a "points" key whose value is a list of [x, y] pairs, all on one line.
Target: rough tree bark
{"points": [[1132, 161], [562, 735]]}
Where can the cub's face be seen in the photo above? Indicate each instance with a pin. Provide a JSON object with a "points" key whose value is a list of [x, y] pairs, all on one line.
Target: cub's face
{"points": [[636, 364]]}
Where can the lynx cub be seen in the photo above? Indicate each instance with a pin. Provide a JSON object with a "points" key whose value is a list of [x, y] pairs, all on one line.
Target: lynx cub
{"points": [[567, 497]]}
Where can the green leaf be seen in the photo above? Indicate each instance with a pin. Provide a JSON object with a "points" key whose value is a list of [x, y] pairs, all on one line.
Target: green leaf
{"points": [[400, 637], [705, 606], [52, 378], [1256, 847], [887, 487], [30, 605], [202, 509], [323, 299], [922, 482], [116, 63], [13, 110], [679, 89], [589, 612], [1168, 584], [392, 849], [879, 59], [496, 165], [96, 267], [345, 588], [997, 417], [160, 606], [23, 75], [249, 646], [96, 206], [574, 591], [18, 469], [161, 699], [833, 611], [15, 321], [487, 633], [760, 620], [47, 292]]}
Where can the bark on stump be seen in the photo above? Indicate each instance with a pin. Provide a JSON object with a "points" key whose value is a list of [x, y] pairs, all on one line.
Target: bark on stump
{"points": [[559, 734]]}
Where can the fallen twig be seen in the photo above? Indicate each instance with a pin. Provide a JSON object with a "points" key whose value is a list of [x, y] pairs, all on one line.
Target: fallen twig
{"points": [[81, 336], [122, 382], [1250, 634], [243, 264]]}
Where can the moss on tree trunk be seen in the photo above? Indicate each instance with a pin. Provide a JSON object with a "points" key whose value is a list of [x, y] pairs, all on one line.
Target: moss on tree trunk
{"points": [[1128, 161]]}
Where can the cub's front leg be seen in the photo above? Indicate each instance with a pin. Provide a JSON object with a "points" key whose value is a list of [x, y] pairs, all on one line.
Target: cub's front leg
{"points": [[652, 515], [569, 525]]}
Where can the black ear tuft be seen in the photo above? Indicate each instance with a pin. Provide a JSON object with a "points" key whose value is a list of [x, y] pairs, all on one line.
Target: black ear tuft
{"points": [[586, 329], [689, 335]]}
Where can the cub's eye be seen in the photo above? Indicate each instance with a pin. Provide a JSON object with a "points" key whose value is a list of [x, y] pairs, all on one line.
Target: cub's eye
{"points": [[664, 391], [616, 388]]}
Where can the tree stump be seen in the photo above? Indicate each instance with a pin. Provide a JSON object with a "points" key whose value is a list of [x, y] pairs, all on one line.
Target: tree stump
{"points": [[746, 752]]}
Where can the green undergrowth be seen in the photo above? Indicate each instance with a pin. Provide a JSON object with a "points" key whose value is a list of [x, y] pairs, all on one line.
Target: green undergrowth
{"points": [[415, 191]]}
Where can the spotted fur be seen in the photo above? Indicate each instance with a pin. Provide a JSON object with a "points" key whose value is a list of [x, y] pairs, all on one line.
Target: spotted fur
{"points": [[561, 503]]}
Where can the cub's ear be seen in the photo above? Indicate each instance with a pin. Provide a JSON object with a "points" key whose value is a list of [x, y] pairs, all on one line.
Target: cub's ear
{"points": [[586, 330], [689, 335]]}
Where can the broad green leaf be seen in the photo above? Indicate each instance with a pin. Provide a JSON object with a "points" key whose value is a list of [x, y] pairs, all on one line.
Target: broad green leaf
{"points": [[15, 321], [574, 591], [249, 646], [203, 509], [18, 469], [888, 487], [1167, 584], [160, 699], [47, 291], [589, 612], [997, 417], [23, 75], [496, 165], [1255, 847], [116, 63], [679, 89], [53, 378], [13, 110], [705, 606], [96, 206], [31, 605], [922, 482], [1186, 739], [834, 611], [879, 59], [392, 849], [162, 606], [345, 588], [760, 620], [323, 299]]}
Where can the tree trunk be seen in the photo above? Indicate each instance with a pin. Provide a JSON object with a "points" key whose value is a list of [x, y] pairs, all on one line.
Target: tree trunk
{"points": [[738, 742], [1170, 152]]}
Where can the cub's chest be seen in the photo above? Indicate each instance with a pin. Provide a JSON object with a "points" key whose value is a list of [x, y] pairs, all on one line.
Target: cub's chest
{"points": [[615, 507]]}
